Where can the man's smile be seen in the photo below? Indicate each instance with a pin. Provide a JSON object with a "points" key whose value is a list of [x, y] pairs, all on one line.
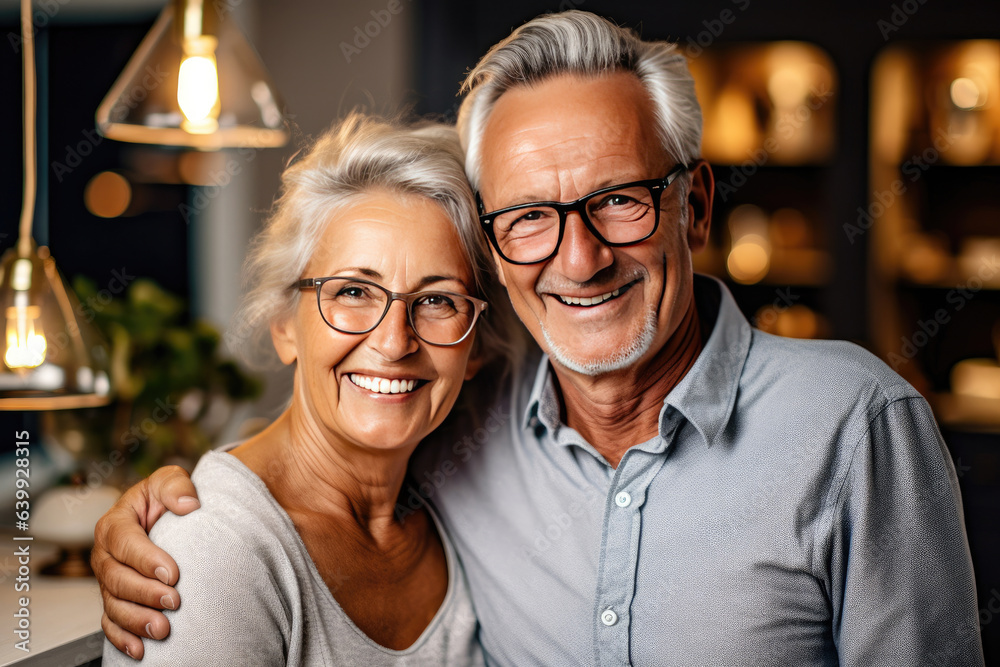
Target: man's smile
{"points": [[590, 301]]}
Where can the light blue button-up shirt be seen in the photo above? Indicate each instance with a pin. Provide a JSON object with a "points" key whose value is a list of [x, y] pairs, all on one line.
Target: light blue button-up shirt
{"points": [[798, 507]]}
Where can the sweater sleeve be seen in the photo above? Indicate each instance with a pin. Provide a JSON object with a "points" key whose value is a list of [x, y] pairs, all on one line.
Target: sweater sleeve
{"points": [[232, 611], [902, 584]]}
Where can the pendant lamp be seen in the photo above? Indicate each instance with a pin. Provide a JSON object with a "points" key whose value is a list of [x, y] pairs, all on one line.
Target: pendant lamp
{"points": [[51, 358], [194, 81]]}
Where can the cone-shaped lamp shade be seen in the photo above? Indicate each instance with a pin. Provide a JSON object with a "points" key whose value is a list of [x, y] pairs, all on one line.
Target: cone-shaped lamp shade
{"points": [[194, 81], [52, 357]]}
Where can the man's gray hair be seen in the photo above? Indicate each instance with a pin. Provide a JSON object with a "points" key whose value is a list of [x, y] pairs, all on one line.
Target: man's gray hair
{"points": [[576, 42], [363, 155]]}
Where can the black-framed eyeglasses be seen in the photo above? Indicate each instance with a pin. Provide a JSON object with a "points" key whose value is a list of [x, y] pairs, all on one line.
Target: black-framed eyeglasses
{"points": [[618, 215], [357, 306]]}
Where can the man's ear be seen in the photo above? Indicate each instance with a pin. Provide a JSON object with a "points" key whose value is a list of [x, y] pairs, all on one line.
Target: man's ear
{"points": [[699, 203], [283, 338]]}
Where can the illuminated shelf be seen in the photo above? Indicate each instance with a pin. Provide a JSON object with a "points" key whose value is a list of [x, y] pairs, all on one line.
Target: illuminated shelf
{"points": [[967, 413]]}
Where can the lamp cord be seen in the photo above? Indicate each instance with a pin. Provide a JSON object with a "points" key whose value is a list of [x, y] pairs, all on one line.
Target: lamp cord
{"points": [[30, 175]]}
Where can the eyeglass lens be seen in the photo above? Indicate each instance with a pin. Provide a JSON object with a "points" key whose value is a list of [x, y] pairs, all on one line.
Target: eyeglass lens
{"points": [[356, 307], [621, 216]]}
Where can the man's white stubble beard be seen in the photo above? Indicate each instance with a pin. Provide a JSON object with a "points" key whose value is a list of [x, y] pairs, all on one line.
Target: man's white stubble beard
{"points": [[618, 360]]}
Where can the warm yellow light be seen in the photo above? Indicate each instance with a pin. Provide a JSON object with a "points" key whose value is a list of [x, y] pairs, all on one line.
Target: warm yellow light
{"points": [[198, 86], [976, 377], [749, 260], [25, 338], [788, 85], [967, 94]]}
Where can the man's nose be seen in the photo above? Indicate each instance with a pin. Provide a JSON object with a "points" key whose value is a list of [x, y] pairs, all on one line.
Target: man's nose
{"points": [[394, 338], [581, 254]]}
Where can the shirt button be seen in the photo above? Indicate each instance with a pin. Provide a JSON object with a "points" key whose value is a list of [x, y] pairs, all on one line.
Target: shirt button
{"points": [[609, 617], [623, 499]]}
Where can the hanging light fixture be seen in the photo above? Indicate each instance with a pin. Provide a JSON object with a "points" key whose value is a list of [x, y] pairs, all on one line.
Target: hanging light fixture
{"points": [[51, 360], [194, 81]]}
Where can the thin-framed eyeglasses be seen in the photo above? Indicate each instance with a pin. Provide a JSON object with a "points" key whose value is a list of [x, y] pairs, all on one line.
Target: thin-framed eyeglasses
{"points": [[357, 306], [618, 215]]}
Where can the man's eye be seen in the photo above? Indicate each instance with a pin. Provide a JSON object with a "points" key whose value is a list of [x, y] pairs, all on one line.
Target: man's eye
{"points": [[616, 200], [532, 218]]}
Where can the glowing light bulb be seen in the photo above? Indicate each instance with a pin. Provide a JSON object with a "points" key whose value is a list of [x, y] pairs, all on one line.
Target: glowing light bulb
{"points": [[198, 86], [967, 94], [25, 338]]}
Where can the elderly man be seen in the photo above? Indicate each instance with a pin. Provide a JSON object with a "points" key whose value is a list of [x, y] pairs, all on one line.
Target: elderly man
{"points": [[665, 485]]}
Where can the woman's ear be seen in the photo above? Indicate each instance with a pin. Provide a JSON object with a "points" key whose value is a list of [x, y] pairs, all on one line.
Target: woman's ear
{"points": [[475, 363], [476, 358], [283, 338]]}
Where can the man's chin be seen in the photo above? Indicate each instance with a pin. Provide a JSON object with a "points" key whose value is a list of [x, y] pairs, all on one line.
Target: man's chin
{"points": [[603, 362]]}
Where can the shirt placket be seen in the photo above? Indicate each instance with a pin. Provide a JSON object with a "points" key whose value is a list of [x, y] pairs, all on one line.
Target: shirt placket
{"points": [[620, 555]]}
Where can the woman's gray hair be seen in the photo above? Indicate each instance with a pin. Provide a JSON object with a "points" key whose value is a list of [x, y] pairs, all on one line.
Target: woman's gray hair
{"points": [[358, 156], [577, 42]]}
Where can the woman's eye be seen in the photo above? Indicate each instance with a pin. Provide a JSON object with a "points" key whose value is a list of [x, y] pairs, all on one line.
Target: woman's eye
{"points": [[436, 300]]}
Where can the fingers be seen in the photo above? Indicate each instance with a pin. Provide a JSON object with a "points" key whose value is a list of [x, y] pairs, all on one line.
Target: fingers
{"points": [[170, 488], [122, 640], [133, 619], [119, 537], [122, 582]]}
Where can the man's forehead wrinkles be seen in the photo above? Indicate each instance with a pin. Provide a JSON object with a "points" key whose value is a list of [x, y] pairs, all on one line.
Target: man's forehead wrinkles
{"points": [[539, 179]]}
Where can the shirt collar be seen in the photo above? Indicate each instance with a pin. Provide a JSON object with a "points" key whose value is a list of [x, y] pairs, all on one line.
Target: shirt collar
{"points": [[705, 396]]}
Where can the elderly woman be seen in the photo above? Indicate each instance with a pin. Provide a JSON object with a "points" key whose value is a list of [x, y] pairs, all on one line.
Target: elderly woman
{"points": [[369, 278]]}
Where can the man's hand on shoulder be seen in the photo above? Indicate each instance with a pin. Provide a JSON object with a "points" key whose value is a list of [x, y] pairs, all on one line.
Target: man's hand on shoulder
{"points": [[136, 576]]}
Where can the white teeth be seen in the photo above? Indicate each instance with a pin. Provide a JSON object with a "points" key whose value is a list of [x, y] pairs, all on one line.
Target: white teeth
{"points": [[589, 300], [383, 385]]}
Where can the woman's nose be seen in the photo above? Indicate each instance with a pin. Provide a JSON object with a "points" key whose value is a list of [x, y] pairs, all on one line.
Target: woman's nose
{"points": [[394, 338]]}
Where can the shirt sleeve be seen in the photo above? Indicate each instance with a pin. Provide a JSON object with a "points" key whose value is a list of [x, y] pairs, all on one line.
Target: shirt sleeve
{"points": [[901, 580], [231, 611]]}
